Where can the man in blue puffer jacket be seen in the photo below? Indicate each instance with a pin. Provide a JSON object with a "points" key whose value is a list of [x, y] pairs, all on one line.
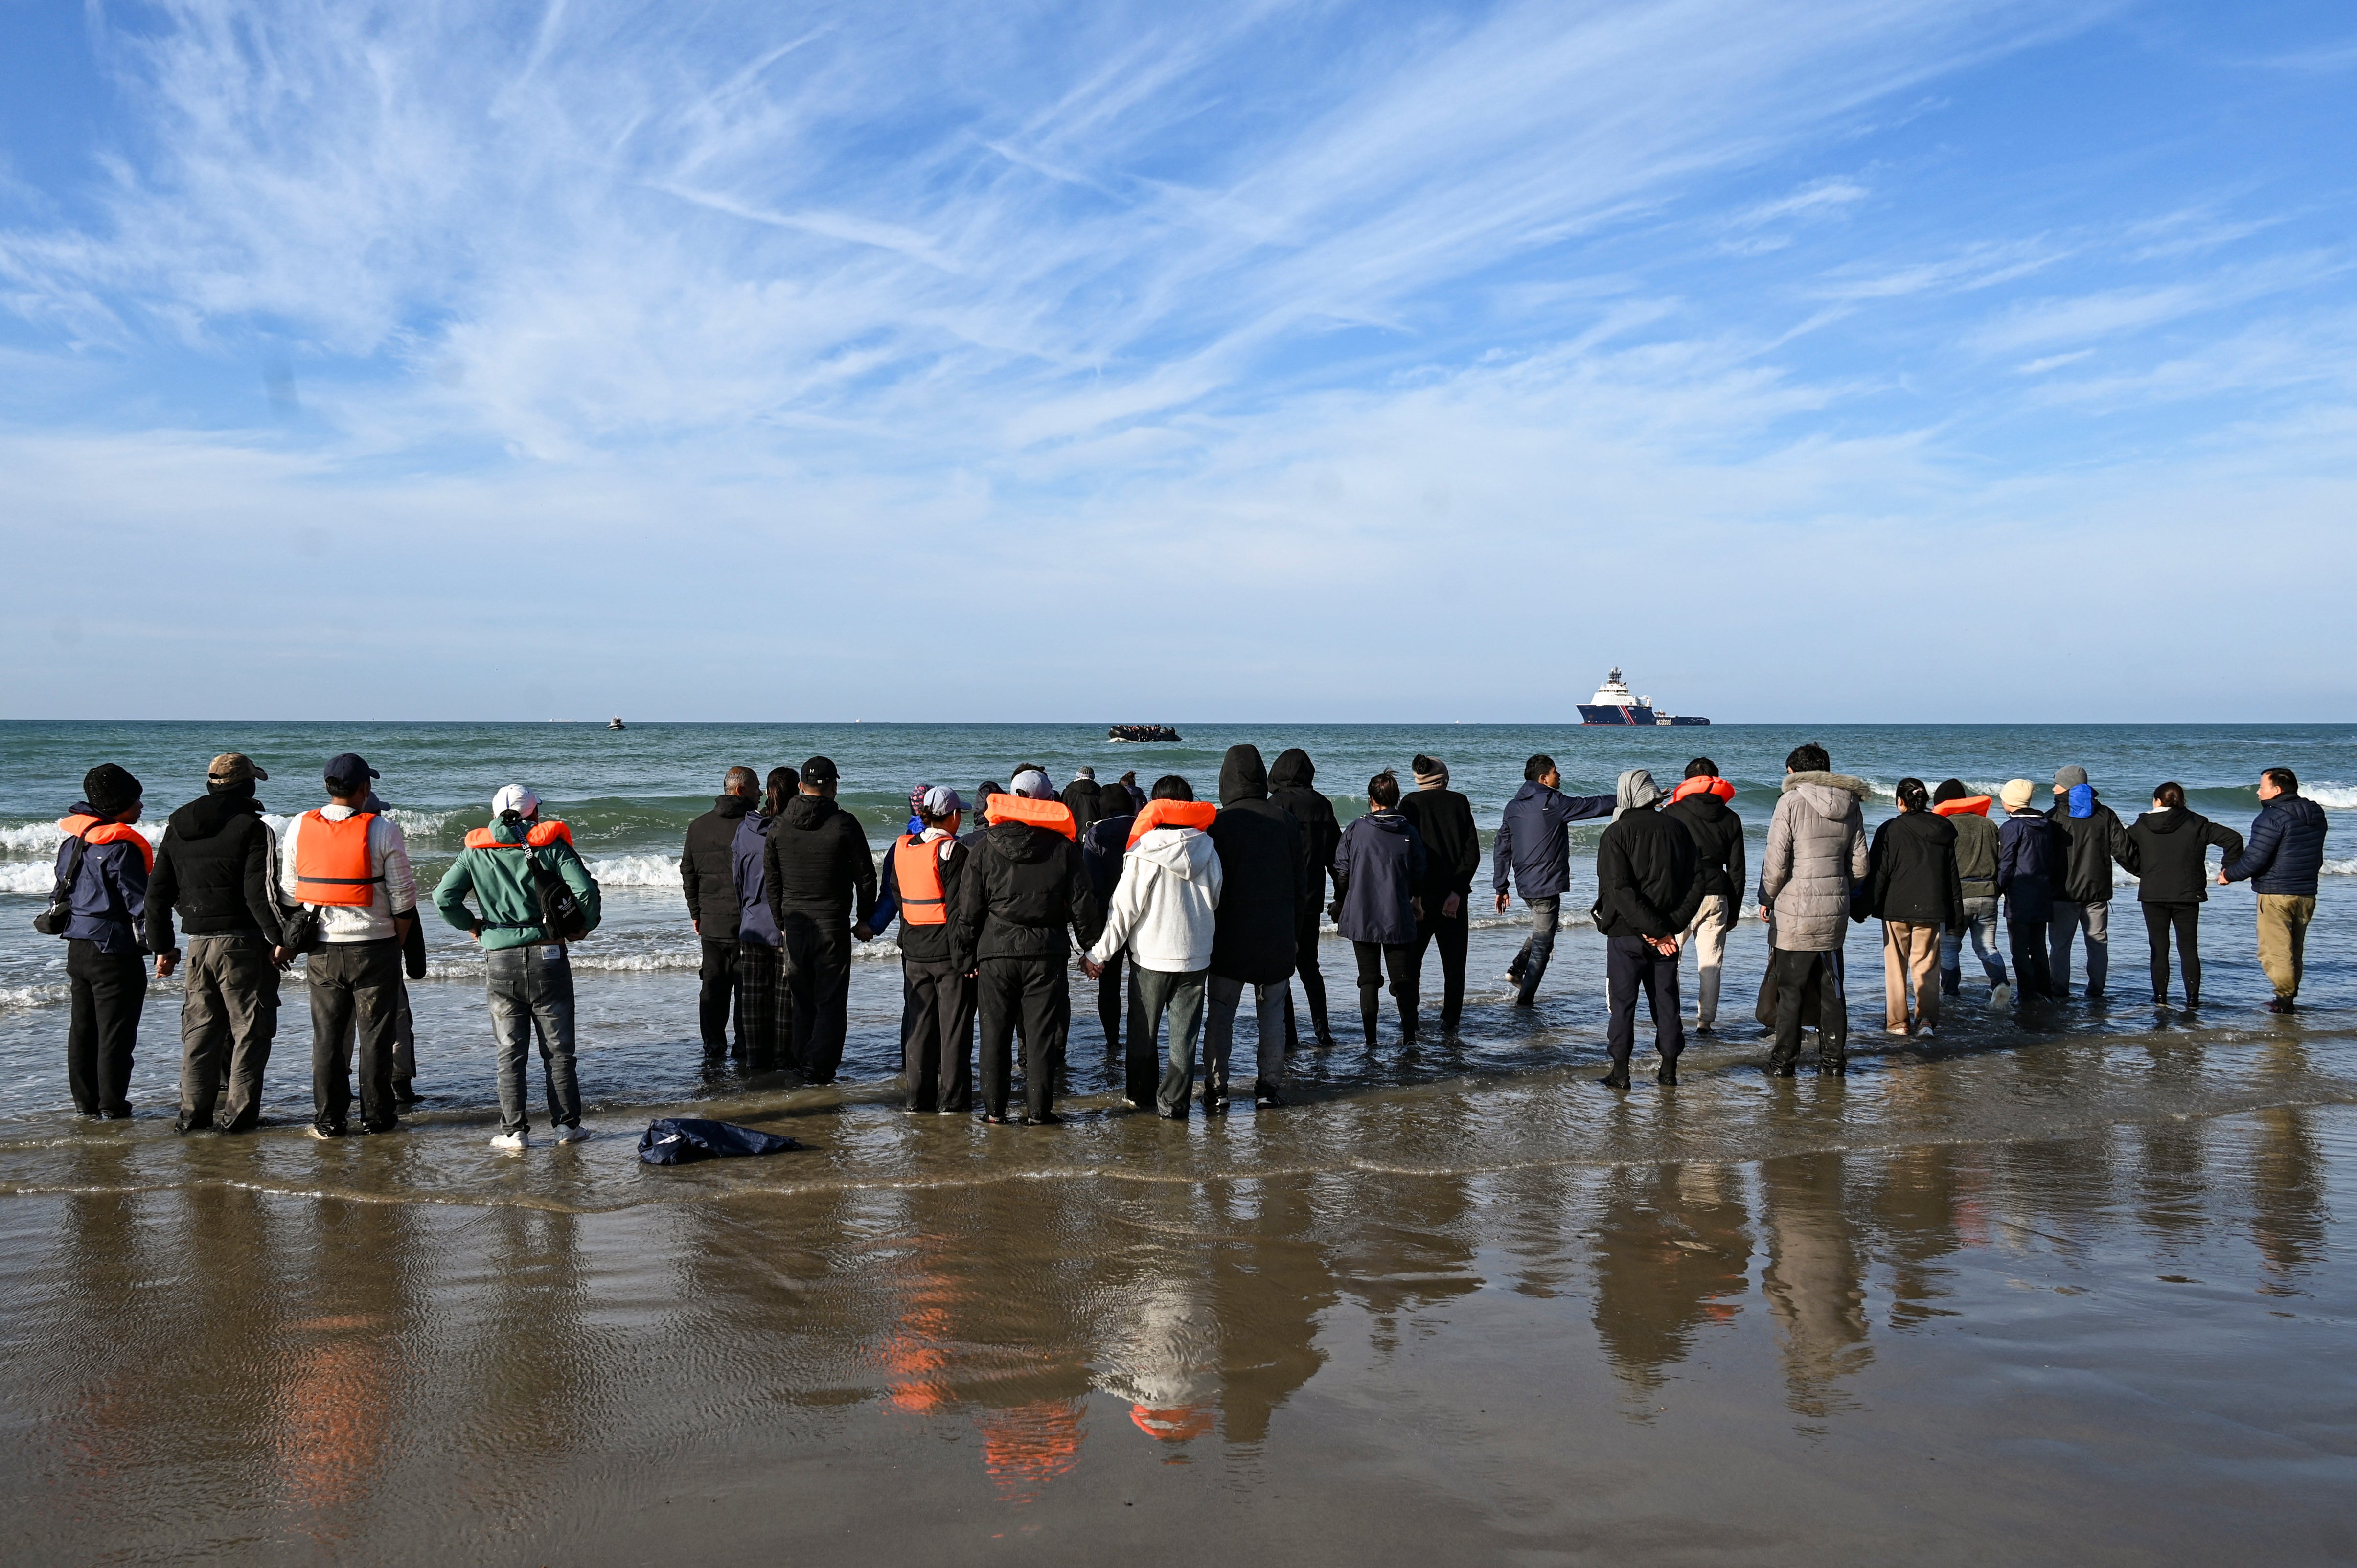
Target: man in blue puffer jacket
{"points": [[1534, 844], [2281, 861]]}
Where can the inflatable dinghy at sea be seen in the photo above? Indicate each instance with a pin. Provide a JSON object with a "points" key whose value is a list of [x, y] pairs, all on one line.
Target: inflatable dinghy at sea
{"points": [[1142, 734]]}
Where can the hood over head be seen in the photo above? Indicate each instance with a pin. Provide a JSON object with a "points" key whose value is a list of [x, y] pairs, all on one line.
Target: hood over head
{"points": [[1183, 852], [2082, 800], [1635, 792], [207, 814], [807, 811], [1293, 771], [1242, 776]]}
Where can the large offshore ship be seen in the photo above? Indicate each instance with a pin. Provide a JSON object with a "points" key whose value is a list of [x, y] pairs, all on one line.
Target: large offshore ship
{"points": [[1614, 706]]}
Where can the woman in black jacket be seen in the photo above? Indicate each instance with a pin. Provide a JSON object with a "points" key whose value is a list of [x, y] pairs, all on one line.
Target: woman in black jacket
{"points": [[2167, 851], [1913, 888]]}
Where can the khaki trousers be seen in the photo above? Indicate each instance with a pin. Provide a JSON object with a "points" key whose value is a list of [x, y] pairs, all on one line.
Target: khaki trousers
{"points": [[1706, 937], [2283, 939], [1910, 950]]}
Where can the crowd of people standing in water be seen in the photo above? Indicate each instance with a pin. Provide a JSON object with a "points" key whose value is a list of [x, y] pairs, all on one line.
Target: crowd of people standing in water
{"points": [[1178, 908]]}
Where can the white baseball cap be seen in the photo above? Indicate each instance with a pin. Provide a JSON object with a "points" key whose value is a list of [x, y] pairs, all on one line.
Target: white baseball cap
{"points": [[514, 798]]}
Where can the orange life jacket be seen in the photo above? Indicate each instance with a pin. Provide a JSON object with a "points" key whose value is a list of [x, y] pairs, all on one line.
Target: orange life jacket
{"points": [[1196, 814], [917, 867], [1975, 805], [1703, 784], [331, 859], [95, 831], [1053, 815], [541, 836]]}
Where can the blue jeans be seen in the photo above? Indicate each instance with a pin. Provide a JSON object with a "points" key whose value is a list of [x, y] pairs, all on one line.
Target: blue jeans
{"points": [[1980, 919], [1529, 965], [532, 991]]}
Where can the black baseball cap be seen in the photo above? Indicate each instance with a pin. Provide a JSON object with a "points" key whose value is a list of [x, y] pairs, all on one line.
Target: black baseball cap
{"points": [[820, 771], [348, 770]]}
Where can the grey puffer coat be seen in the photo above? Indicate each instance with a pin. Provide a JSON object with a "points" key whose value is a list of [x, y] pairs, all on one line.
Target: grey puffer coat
{"points": [[1817, 851]]}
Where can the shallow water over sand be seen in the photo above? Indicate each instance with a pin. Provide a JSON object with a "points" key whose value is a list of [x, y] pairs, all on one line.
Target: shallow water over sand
{"points": [[2076, 1297]]}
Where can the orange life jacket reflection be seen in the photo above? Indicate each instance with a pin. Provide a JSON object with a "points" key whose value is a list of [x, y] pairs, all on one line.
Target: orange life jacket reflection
{"points": [[917, 867], [331, 859]]}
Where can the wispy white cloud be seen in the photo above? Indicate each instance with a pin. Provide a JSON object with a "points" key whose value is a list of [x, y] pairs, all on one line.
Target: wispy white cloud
{"points": [[2109, 312]]}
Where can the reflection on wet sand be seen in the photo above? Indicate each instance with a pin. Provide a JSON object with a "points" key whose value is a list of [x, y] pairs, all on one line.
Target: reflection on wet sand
{"points": [[212, 1361]]}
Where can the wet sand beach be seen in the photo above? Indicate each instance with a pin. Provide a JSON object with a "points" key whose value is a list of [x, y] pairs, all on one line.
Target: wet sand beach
{"points": [[2073, 1298]]}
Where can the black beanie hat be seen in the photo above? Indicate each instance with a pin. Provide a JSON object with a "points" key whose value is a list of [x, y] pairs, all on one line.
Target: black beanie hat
{"points": [[1949, 790], [108, 789]]}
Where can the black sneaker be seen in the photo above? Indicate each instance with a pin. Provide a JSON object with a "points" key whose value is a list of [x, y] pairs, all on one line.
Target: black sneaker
{"points": [[1617, 1079], [1667, 1077], [404, 1093], [1264, 1095], [1045, 1119], [2283, 1004]]}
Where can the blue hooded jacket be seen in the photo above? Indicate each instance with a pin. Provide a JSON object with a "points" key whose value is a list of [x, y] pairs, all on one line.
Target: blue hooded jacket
{"points": [[1378, 866], [755, 923], [2286, 850], [110, 893], [1534, 839]]}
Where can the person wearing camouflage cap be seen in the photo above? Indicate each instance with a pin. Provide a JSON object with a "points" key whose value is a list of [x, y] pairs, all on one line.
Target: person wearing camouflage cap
{"points": [[217, 869]]}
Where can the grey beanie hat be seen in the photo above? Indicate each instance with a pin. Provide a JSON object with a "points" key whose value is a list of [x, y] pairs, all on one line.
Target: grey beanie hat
{"points": [[2069, 777]]}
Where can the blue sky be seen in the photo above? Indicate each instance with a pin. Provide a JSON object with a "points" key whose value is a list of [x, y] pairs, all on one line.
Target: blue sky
{"points": [[1848, 359]]}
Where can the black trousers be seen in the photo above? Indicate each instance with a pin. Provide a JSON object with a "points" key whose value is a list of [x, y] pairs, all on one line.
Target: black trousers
{"points": [[2187, 919], [102, 1028], [1451, 932], [1304, 966], [355, 1012], [2032, 970], [1797, 974], [716, 985], [1034, 994], [1374, 958], [937, 1035], [1632, 968], [818, 978], [1112, 996]]}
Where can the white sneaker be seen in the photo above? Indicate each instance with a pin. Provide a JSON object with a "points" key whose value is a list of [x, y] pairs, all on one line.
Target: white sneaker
{"points": [[570, 1134], [1928, 1032], [515, 1142], [2000, 995]]}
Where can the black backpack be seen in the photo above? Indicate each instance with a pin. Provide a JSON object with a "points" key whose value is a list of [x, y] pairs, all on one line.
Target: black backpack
{"points": [[52, 919], [562, 918]]}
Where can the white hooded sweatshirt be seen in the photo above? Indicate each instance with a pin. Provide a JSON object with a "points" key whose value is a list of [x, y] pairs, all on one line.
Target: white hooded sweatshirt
{"points": [[1166, 905]]}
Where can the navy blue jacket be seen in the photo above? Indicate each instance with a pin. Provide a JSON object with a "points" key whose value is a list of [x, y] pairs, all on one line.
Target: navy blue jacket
{"points": [[2031, 851], [2286, 849], [1534, 839], [1378, 866], [750, 867], [1104, 843], [110, 893]]}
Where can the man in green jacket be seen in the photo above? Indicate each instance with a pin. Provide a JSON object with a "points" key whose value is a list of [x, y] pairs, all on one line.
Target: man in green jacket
{"points": [[531, 979]]}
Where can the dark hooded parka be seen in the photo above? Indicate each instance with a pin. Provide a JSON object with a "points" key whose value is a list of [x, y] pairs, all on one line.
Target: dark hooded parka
{"points": [[1293, 784], [1263, 863]]}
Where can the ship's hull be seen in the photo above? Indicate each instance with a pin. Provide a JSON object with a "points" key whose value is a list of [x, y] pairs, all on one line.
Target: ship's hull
{"points": [[1632, 713]]}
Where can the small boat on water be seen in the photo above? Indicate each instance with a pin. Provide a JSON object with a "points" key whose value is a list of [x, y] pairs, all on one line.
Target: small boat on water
{"points": [[1612, 704], [616, 722], [1142, 734]]}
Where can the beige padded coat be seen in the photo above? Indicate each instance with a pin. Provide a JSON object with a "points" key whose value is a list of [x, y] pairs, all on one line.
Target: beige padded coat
{"points": [[1816, 849]]}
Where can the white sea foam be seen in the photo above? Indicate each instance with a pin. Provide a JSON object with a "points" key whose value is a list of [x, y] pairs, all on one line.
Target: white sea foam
{"points": [[2340, 865], [637, 871], [31, 838], [13, 998], [2332, 797], [27, 878]]}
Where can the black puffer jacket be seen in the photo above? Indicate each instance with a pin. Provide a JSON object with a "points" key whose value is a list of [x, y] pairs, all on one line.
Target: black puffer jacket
{"points": [[1264, 875], [1718, 842], [1086, 798], [1293, 784], [1648, 876], [1912, 871], [707, 871], [816, 862], [214, 869], [1452, 846], [1021, 889], [2092, 843], [2167, 851]]}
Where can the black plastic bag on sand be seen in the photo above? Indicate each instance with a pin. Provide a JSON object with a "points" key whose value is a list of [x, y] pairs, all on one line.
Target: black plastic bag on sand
{"points": [[682, 1139]]}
